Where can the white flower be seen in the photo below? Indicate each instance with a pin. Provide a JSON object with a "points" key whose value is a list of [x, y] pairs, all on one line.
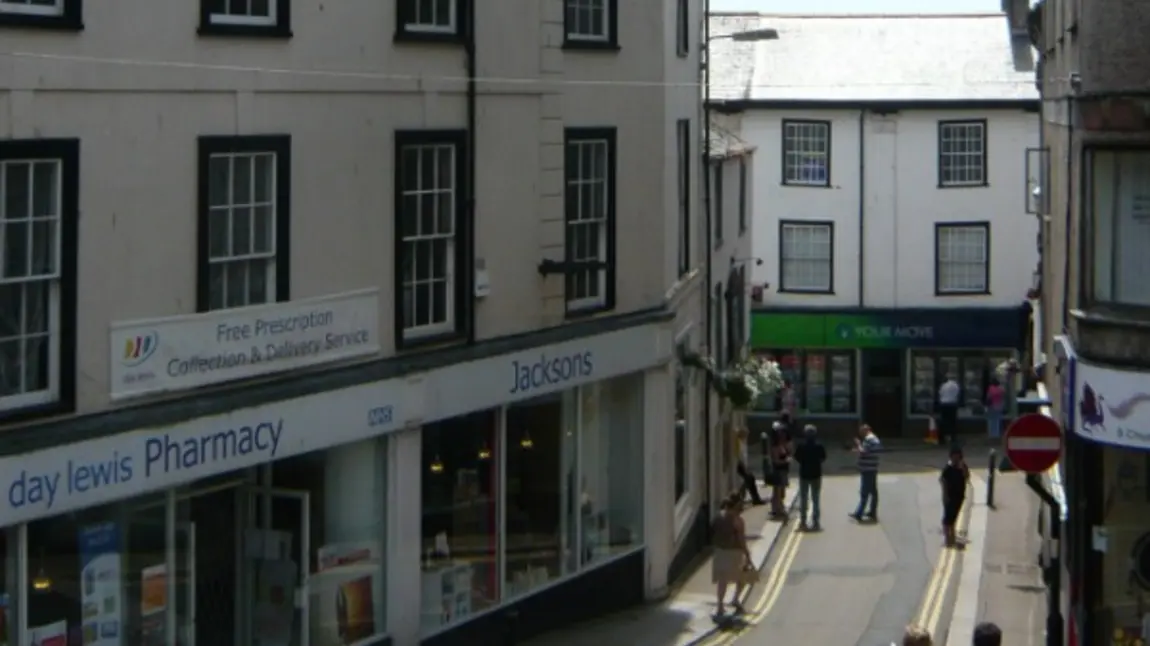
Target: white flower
{"points": [[1006, 368]]}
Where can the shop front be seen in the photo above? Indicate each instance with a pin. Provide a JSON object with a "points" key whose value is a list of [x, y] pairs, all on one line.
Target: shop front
{"points": [[885, 366], [387, 512], [1107, 479]]}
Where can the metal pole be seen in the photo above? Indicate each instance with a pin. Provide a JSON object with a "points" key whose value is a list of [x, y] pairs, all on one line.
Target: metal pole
{"points": [[1055, 623], [991, 470]]}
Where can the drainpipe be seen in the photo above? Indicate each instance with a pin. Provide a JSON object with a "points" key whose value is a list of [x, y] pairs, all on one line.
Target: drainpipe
{"points": [[862, 207], [469, 233], [1068, 180], [705, 75]]}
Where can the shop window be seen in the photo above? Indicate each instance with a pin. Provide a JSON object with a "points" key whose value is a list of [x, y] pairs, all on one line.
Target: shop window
{"points": [[9, 571], [1126, 558], [460, 518], [824, 382], [611, 472], [540, 468], [972, 370], [680, 432], [1117, 229]]}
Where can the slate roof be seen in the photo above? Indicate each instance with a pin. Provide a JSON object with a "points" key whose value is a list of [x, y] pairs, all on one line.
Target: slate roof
{"points": [[871, 58]]}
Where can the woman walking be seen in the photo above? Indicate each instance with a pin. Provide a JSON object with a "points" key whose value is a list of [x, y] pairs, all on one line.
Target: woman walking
{"points": [[995, 405], [732, 557]]}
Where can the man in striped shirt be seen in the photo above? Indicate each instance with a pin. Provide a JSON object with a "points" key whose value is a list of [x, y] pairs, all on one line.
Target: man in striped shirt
{"points": [[868, 447]]}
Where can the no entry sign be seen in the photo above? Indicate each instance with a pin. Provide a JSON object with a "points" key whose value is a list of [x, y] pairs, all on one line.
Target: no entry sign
{"points": [[1034, 443]]}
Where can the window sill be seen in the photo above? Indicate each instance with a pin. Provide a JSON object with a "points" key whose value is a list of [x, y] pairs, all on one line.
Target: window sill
{"points": [[274, 32], [808, 292], [1130, 316], [37, 411], [589, 311], [429, 341], [46, 23], [942, 186], [608, 46], [424, 37], [942, 294], [801, 185]]}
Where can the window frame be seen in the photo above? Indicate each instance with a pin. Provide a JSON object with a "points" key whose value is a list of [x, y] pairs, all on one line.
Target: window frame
{"points": [[216, 23], [682, 28], [606, 41], [783, 288], [588, 306], [800, 384], [212, 145], [787, 180], [1087, 240], [60, 397], [717, 197], [458, 300], [988, 356], [683, 135], [742, 195], [939, 228], [409, 29], [719, 313], [65, 15], [948, 123]]}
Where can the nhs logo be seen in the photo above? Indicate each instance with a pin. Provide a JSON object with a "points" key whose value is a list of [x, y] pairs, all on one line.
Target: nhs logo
{"points": [[380, 416]]}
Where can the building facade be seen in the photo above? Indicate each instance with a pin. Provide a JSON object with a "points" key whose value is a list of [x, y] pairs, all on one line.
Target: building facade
{"points": [[342, 323], [890, 217], [1094, 153]]}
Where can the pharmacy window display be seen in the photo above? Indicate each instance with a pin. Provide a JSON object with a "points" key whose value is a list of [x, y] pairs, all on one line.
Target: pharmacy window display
{"points": [[286, 554], [520, 498]]}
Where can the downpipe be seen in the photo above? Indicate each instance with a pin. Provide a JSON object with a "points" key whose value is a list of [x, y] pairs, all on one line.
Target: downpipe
{"points": [[472, 155]]}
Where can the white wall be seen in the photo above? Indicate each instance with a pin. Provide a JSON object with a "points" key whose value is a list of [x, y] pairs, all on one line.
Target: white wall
{"points": [[902, 203], [138, 86]]}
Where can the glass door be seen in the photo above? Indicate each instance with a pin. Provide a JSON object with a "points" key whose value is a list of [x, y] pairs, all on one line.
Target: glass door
{"points": [[275, 567]]}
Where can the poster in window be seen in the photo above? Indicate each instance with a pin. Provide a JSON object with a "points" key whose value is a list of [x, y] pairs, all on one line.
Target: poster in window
{"points": [[100, 564], [972, 384], [816, 385], [53, 634], [922, 384], [153, 605], [842, 383]]}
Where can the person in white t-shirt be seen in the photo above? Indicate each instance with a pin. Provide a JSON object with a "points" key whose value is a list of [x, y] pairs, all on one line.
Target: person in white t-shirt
{"points": [[949, 396]]}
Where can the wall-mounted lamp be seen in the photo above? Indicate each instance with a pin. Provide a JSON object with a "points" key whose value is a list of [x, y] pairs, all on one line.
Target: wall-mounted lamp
{"points": [[436, 465], [484, 453], [527, 442]]}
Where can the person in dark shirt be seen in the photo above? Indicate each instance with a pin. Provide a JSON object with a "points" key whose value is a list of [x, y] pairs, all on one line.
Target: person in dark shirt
{"points": [[954, 478], [781, 448], [810, 455]]}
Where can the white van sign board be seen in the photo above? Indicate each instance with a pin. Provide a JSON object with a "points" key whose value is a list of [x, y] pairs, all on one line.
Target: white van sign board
{"points": [[178, 353]]}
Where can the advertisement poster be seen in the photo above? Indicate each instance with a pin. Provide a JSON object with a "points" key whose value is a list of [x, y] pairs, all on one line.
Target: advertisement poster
{"points": [[153, 604], [54, 634], [100, 599], [343, 593]]}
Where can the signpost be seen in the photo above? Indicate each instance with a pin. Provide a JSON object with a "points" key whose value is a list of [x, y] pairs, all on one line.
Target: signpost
{"points": [[1034, 443]]}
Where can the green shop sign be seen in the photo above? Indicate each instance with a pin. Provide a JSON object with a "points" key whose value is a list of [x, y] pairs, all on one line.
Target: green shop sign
{"points": [[909, 328]]}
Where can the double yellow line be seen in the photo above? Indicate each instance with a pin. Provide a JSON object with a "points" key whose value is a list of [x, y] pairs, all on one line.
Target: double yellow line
{"points": [[772, 589], [930, 614]]}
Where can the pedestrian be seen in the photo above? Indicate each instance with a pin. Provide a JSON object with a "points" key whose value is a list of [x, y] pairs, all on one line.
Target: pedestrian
{"points": [[987, 634], [995, 406], [949, 394], [732, 557], [868, 447], [915, 635], [750, 486], [781, 448], [810, 455], [789, 400], [954, 478]]}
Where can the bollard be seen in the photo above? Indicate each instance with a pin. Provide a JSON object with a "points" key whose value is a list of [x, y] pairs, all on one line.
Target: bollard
{"points": [[991, 471]]}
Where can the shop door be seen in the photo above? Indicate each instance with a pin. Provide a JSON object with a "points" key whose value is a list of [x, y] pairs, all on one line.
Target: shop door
{"points": [[275, 568], [882, 391]]}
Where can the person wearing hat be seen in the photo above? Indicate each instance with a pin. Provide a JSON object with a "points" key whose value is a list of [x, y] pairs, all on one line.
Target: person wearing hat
{"points": [[810, 454], [954, 478]]}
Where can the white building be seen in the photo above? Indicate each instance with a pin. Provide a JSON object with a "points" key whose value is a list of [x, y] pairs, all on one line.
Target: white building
{"points": [[895, 234], [349, 322]]}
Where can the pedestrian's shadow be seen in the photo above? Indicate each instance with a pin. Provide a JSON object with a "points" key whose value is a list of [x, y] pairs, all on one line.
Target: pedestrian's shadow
{"points": [[730, 623]]}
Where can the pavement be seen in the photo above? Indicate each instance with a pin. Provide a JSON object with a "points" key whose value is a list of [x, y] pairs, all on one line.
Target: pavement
{"points": [[862, 584]]}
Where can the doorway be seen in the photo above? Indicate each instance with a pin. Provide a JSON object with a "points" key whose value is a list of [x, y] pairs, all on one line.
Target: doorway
{"points": [[883, 390]]}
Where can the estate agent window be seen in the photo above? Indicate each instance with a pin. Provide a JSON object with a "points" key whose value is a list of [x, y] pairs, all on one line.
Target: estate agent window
{"points": [[972, 370], [823, 380]]}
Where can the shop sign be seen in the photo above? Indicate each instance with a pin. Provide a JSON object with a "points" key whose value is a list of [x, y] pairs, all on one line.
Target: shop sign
{"points": [[1113, 406], [893, 328], [178, 353], [97, 471]]}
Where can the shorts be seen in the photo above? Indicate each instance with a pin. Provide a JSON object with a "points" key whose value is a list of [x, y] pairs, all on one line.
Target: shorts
{"points": [[950, 511]]}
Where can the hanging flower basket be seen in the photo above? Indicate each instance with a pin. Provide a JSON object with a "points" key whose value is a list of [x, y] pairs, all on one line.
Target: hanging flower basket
{"points": [[742, 383], [1007, 368]]}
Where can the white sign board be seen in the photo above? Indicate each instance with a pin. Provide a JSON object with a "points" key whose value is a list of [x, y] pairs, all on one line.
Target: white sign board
{"points": [[1113, 406], [182, 352]]}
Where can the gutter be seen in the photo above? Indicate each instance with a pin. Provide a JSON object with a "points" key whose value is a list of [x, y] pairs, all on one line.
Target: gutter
{"points": [[470, 226]]}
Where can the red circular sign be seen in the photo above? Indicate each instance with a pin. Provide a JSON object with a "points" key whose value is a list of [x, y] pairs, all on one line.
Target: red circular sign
{"points": [[1033, 443]]}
